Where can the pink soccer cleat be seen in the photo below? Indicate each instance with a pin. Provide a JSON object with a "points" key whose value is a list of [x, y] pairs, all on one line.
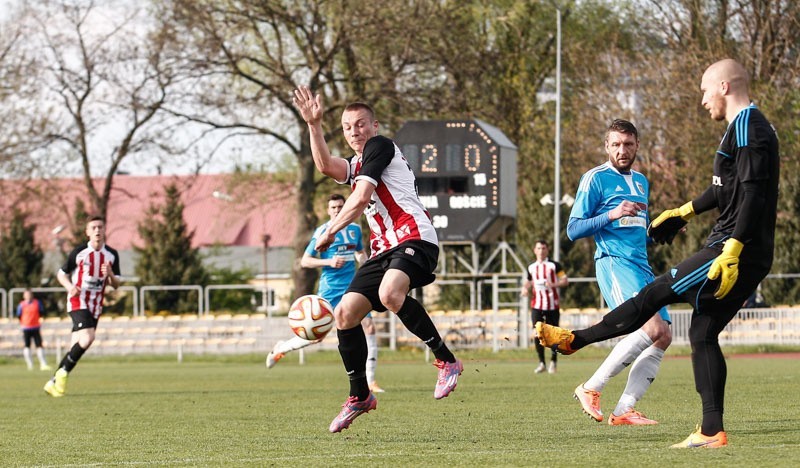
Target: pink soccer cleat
{"points": [[448, 377], [351, 409]]}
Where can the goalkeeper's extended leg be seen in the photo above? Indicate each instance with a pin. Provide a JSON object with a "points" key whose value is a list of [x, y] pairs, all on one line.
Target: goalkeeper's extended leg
{"points": [[630, 315]]}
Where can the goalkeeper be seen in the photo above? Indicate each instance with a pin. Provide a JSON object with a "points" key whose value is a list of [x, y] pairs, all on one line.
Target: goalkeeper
{"points": [[717, 279]]}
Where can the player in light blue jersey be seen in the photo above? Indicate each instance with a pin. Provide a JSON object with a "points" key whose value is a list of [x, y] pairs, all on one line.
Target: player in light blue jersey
{"points": [[611, 205], [338, 265]]}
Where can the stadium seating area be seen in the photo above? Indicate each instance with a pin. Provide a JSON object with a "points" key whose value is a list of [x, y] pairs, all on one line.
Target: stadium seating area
{"points": [[257, 333], [225, 333], [482, 329]]}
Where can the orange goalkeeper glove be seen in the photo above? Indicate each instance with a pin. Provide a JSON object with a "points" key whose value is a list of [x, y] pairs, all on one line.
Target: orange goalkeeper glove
{"points": [[668, 224], [726, 266]]}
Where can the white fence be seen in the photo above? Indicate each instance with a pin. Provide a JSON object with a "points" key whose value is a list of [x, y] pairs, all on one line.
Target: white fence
{"points": [[257, 333], [9, 299], [507, 328]]}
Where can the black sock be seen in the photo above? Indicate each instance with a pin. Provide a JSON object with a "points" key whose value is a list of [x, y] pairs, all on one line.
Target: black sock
{"points": [[710, 370], [628, 316], [353, 349], [418, 322], [72, 357], [539, 350]]}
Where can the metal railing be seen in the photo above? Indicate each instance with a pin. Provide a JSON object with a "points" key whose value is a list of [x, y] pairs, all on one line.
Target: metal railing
{"points": [[193, 287], [135, 295], [462, 329], [13, 291], [267, 294]]}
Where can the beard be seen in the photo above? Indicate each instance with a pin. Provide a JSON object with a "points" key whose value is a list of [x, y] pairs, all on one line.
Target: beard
{"points": [[623, 167]]}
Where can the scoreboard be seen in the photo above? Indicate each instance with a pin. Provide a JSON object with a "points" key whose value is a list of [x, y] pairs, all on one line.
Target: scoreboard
{"points": [[466, 174]]}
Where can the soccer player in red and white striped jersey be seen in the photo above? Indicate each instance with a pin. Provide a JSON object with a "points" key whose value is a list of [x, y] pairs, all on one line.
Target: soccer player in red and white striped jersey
{"points": [[403, 242], [544, 278], [87, 271]]}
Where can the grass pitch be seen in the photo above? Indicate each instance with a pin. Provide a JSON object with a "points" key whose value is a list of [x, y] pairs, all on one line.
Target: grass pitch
{"points": [[234, 412]]}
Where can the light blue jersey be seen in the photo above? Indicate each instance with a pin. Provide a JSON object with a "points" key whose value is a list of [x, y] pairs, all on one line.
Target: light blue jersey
{"points": [[621, 255], [333, 282], [601, 190]]}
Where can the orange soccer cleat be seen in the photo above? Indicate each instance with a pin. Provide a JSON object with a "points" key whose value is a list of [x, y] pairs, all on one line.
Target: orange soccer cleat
{"points": [[375, 388], [699, 440], [590, 401], [630, 418], [556, 338]]}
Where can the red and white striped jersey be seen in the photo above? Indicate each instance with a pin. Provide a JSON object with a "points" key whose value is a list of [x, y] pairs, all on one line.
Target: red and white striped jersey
{"points": [[539, 273], [395, 213], [83, 268]]}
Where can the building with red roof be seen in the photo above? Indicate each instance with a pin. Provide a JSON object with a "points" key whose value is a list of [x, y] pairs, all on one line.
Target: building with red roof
{"points": [[229, 215]]}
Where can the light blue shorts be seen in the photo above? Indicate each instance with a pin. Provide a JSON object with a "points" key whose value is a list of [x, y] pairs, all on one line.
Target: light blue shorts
{"points": [[620, 280], [333, 297]]}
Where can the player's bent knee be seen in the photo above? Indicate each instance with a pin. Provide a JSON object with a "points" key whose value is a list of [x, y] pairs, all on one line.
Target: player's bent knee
{"points": [[369, 326], [663, 340], [658, 331], [392, 299], [344, 320]]}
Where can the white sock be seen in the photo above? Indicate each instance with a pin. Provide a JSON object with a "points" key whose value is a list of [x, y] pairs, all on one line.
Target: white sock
{"points": [[291, 345], [643, 372], [26, 353], [40, 355], [372, 357], [623, 354]]}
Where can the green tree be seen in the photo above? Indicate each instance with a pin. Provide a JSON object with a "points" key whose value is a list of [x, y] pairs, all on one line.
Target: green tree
{"points": [[167, 257], [765, 38], [231, 300], [20, 257]]}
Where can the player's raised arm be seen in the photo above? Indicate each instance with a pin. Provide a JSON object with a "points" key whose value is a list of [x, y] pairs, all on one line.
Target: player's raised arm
{"points": [[310, 107]]}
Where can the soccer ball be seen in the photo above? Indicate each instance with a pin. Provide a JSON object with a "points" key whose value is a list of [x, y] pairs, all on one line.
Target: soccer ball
{"points": [[311, 317]]}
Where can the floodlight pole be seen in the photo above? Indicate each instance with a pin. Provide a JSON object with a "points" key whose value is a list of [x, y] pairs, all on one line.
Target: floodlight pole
{"points": [[557, 189], [265, 292]]}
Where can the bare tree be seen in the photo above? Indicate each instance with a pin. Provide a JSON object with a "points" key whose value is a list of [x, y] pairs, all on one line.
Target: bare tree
{"points": [[104, 81], [18, 121], [248, 56]]}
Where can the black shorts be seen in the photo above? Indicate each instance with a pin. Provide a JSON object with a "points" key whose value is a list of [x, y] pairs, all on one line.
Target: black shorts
{"points": [[32, 334], [549, 317], [82, 319], [415, 258]]}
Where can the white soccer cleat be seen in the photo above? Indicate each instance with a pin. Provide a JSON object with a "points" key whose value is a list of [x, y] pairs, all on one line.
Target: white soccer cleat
{"points": [[273, 357]]}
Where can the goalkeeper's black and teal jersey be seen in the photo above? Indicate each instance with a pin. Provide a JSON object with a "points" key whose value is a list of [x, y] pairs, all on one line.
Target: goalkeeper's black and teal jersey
{"points": [[747, 159]]}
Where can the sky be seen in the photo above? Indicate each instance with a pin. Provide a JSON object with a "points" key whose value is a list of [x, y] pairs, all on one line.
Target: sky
{"points": [[216, 155]]}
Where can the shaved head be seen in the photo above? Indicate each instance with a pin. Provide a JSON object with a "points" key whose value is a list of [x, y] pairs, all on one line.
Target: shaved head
{"points": [[725, 89], [731, 71]]}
